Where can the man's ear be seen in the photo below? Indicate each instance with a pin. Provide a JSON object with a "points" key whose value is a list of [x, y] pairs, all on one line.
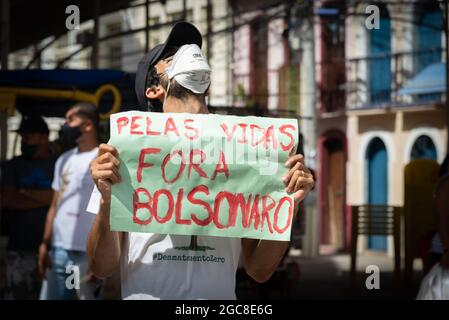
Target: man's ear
{"points": [[155, 93], [89, 126]]}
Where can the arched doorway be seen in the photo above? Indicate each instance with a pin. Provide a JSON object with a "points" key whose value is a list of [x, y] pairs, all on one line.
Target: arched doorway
{"points": [[380, 60], [423, 148], [377, 159]]}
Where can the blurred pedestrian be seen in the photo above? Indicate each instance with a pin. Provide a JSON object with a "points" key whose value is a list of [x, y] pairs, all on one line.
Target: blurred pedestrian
{"points": [[435, 285], [62, 252], [25, 197], [440, 241]]}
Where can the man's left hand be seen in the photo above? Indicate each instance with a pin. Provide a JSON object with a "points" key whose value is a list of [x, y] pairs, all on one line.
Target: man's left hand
{"points": [[298, 180]]}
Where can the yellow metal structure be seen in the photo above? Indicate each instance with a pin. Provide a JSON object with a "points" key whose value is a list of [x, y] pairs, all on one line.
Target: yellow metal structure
{"points": [[8, 97]]}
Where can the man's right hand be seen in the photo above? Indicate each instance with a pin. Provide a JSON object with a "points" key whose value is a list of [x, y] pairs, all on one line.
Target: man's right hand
{"points": [[105, 170], [43, 260]]}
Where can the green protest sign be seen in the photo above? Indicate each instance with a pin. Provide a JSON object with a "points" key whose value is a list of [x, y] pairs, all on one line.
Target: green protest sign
{"points": [[202, 174]]}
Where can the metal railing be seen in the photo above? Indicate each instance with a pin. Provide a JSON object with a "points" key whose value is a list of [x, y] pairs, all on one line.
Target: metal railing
{"points": [[395, 79], [383, 80]]}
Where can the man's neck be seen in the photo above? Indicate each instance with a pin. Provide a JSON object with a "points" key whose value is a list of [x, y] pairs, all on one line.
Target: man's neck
{"points": [[191, 105], [87, 144]]}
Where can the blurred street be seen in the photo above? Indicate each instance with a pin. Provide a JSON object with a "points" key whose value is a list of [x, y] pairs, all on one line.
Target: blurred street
{"points": [[327, 277]]}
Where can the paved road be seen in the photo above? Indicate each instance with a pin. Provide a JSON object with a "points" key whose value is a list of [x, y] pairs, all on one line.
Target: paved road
{"points": [[327, 277]]}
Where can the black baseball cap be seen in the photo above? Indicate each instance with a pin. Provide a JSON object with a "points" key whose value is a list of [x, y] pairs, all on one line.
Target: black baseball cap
{"points": [[182, 33], [33, 124]]}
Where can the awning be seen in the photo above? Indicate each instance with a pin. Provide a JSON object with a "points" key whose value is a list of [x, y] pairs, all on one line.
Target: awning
{"points": [[431, 80], [59, 78]]}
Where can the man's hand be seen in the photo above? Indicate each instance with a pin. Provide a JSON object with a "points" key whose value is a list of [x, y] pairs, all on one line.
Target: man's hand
{"points": [[43, 260], [105, 170], [298, 180]]}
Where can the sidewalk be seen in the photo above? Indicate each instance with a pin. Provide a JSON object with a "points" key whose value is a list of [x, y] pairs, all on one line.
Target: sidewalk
{"points": [[328, 277]]}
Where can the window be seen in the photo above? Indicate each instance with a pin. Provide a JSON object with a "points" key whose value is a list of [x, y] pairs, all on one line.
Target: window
{"points": [[154, 40], [203, 14], [333, 71], [380, 77], [424, 148], [62, 42], [114, 28], [154, 21], [177, 16], [115, 56], [288, 87], [429, 34], [18, 63], [203, 19]]}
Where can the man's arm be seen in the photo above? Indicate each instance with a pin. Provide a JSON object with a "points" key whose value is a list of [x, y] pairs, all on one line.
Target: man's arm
{"points": [[51, 214], [104, 245], [262, 257], [24, 199]]}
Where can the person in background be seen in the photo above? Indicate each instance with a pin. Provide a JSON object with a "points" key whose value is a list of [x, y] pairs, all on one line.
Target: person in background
{"points": [[25, 197], [434, 285], [62, 249], [440, 241]]}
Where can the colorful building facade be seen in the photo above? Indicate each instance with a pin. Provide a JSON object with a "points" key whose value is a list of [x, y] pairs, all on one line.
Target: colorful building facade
{"points": [[381, 105]]}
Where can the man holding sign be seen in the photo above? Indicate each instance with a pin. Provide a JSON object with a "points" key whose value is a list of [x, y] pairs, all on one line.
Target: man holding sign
{"points": [[183, 194]]}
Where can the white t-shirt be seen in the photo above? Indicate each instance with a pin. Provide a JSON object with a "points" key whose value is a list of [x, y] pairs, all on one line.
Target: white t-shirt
{"points": [[159, 266], [74, 183]]}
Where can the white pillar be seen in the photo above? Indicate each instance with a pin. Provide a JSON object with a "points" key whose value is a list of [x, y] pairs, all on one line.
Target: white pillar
{"points": [[308, 129]]}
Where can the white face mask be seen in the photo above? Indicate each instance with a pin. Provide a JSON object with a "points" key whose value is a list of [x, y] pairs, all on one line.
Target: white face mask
{"points": [[190, 69]]}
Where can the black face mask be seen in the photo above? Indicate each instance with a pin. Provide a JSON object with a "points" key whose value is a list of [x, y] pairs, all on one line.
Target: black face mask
{"points": [[71, 134], [28, 150]]}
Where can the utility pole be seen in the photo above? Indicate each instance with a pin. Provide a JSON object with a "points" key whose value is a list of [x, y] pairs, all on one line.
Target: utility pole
{"points": [[209, 29], [184, 10], [147, 25], [94, 54], [308, 127]]}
